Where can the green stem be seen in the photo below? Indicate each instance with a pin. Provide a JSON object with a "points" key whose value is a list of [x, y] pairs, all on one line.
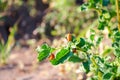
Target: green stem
{"points": [[118, 15], [94, 63], [97, 67]]}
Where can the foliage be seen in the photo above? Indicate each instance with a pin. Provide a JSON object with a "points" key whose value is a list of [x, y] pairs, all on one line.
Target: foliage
{"points": [[5, 48], [105, 64]]}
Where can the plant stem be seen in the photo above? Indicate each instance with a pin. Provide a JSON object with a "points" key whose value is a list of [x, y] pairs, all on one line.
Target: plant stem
{"points": [[99, 74], [118, 15]]}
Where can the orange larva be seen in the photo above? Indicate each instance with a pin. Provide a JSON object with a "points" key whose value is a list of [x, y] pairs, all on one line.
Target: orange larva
{"points": [[69, 37], [51, 57], [74, 50]]}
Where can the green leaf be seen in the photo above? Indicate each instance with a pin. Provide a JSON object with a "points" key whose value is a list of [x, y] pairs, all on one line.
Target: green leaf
{"points": [[107, 15], [43, 52], [117, 52], [92, 3], [86, 66], [106, 52], [62, 59], [54, 62], [84, 7], [61, 56], [73, 39], [112, 13], [92, 37], [74, 58], [115, 45], [118, 71], [100, 38], [101, 25], [117, 36], [62, 53], [101, 18], [107, 76], [105, 2], [81, 43]]}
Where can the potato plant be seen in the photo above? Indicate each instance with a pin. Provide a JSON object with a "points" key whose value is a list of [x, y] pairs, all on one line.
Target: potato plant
{"points": [[104, 64]]}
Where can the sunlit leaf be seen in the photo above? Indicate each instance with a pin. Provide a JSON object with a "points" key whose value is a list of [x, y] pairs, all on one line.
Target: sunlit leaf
{"points": [[107, 76], [74, 58], [81, 43], [43, 52], [86, 66]]}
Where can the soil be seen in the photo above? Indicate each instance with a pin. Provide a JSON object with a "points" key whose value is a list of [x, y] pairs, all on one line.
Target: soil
{"points": [[23, 65]]}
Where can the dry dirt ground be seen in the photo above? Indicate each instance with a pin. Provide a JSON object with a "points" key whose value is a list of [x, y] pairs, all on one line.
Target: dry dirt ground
{"points": [[23, 65]]}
